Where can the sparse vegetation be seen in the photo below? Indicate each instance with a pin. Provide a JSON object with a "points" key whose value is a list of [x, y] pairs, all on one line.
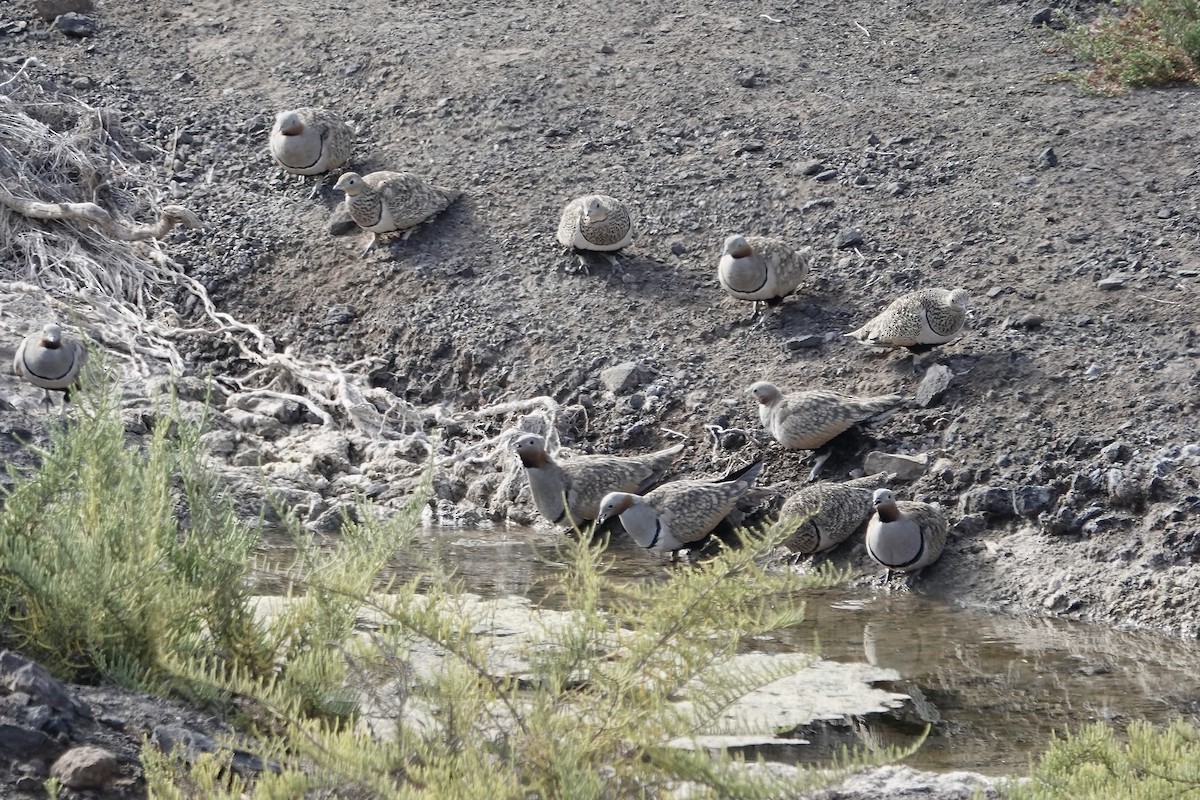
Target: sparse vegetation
{"points": [[1151, 43], [1093, 764], [124, 563]]}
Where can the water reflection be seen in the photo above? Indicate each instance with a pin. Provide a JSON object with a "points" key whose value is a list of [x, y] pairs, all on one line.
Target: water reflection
{"points": [[993, 687]]}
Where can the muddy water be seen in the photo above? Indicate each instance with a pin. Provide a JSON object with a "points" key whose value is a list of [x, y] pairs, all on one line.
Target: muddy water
{"points": [[993, 687]]}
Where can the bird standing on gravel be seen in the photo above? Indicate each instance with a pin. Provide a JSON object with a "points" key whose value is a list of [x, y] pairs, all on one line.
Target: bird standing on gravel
{"points": [[810, 419], [50, 361], [761, 269], [679, 514], [569, 492], [917, 320], [905, 536], [310, 141], [826, 514], [595, 222], [381, 202]]}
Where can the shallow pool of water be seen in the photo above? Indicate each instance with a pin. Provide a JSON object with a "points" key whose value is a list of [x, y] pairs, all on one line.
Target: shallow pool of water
{"points": [[995, 687]]}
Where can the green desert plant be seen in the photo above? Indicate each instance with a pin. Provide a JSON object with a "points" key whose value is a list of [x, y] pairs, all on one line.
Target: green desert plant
{"points": [[605, 696], [1152, 43], [1093, 764]]}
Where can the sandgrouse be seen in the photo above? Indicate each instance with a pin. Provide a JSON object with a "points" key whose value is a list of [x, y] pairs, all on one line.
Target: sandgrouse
{"points": [[826, 514], [810, 419], [905, 536], [597, 223], [310, 141], [917, 320], [761, 269], [381, 202], [569, 492], [679, 514], [50, 361]]}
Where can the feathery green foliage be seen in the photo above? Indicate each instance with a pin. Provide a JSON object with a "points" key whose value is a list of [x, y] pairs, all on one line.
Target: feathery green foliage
{"points": [[596, 703], [1150, 43], [96, 571], [1093, 765]]}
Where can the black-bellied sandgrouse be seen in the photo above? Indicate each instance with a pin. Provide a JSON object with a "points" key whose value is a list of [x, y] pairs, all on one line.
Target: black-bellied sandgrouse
{"points": [[679, 514], [595, 223], [905, 536], [917, 320], [50, 360], [382, 202], [761, 269], [310, 141], [569, 492]]}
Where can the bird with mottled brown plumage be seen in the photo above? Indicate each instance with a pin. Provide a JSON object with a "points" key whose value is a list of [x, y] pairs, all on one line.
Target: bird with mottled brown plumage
{"points": [[382, 202], [310, 141], [823, 515], [680, 514], [917, 320], [905, 536], [569, 492], [761, 269], [50, 360], [810, 419], [595, 223]]}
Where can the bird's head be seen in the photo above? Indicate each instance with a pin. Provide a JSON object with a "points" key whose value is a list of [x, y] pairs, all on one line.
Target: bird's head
{"points": [[351, 183], [736, 246], [289, 123], [613, 505], [51, 336], [883, 498], [764, 392], [960, 299], [594, 209], [531, 449]]}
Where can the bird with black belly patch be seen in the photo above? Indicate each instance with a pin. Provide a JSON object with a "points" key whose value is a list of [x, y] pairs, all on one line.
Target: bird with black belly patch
{"points": [[760, 269], [50, 360], [905, 536]]}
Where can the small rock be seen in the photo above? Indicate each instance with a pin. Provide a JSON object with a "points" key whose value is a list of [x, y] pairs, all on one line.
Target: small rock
{"points": [[340, 221], [969, 525], [748, 81], [17, 740], [811, 168], [1115, 281], [1115, 453], [607, 49], [1048, 158], [993, 501], [85, 767], [824, 176], [48, 10], [751, 146], [816, 202], [623, 378], [848, 237], [678, 248], [1165, 213], [339, 314], [733, 440], [1043, 16], [905, 468], [1029, 321], [77, 25], [896, 188], [803, 342], [1029, 501], [935, 383]]}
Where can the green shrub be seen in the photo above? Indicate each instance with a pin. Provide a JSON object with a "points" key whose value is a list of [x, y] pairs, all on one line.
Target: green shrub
{"points": [[1153, 43], [1093, 765]]}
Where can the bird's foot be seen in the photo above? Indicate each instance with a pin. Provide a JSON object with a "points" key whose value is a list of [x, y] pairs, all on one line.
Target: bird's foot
{"points": [[370, 244]]}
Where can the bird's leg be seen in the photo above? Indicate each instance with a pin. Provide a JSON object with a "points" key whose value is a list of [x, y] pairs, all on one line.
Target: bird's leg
{"points": [[407, 233], [584, 267], [370, 244], [816, 470], [317, 187]]}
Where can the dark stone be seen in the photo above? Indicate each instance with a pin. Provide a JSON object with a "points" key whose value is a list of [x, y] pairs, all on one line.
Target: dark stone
{"points": [[811, 168], [992, 501], [803, 342], [20, 674], [340, 314], [1029, 501], [848, 237], [1048, 158], [969, 525], [678, 248], [1042, 16], [733, 440], [77, 25], [824, 176], [17, 740]]}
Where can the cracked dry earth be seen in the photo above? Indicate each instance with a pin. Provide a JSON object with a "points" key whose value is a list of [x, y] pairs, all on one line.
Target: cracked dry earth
{"points": [[939, 143]]}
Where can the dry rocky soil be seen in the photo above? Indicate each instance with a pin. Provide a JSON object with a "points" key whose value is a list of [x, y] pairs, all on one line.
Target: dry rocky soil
{"points": [[911, 144]]}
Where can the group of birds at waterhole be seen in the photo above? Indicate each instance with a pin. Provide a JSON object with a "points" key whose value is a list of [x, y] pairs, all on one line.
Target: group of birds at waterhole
{"points": [[671, 516]]}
